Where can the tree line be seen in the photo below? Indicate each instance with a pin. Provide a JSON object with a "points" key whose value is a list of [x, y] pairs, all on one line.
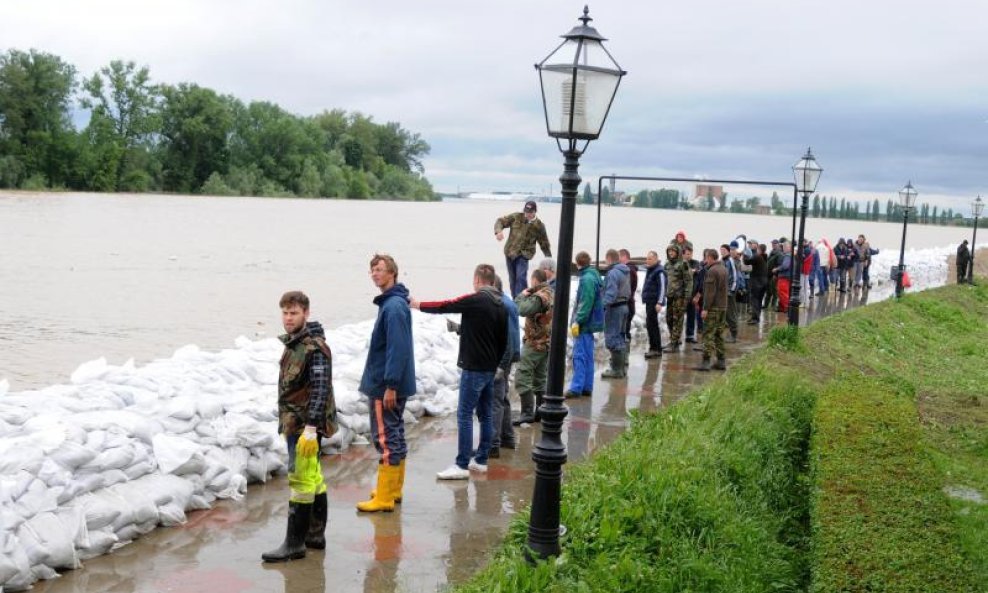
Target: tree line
{"points": [[822, 206], [186, 138]]}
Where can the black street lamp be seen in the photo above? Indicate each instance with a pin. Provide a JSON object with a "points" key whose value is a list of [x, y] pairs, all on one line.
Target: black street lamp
{"points": [[907, 199], [807, 173], [579, 80], [977, 206]]}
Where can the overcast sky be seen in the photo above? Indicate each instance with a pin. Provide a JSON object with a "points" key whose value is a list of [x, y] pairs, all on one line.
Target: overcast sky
{"points": [[884, 91]]}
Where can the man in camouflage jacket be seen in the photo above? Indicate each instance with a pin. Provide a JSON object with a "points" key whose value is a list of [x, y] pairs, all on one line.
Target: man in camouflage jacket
{"points": [[525, 230], [535, 305], [680, 289], [306, 412]]}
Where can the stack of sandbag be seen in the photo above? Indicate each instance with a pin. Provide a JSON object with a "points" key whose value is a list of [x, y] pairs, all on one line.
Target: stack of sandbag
{"points": [[89, 466]]}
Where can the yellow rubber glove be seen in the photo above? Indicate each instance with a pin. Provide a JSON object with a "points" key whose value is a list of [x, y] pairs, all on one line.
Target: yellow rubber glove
{"points": [[574, 330], [308, 443]]}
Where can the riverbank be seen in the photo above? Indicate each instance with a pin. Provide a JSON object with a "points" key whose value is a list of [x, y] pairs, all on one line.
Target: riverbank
{"points": [[850, 459]]}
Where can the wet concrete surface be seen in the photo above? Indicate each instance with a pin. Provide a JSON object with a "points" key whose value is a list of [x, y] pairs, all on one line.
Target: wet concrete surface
{"points": [[442, 533]]}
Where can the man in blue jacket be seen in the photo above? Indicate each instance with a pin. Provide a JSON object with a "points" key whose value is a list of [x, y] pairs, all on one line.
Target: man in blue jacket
{"points": [[653, 297], [617, 291], [388, 381], [504, 431], [587, 319]]}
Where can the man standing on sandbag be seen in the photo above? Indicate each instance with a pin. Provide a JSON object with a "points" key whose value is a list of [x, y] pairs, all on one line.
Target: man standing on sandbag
{"points": [[306, 412], [388, 381]]}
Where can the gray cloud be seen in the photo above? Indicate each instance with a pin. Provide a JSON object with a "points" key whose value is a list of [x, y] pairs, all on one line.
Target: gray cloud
{"points": [[883, 90]]}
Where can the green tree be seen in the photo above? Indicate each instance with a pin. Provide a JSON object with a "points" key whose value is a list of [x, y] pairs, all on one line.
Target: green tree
{"points": [[875, 210], [587, 194], [195, 126], [36, 135], [816, 206], [125, 108]]}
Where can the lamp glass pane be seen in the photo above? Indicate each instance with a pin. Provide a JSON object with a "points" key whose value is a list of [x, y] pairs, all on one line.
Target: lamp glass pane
{"points": [[578, 106], [807, 174], [977, 207], [907, 197]]}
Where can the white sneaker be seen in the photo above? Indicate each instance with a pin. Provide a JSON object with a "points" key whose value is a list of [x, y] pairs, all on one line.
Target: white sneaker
{"points": [[477, 467], [455, 472]]}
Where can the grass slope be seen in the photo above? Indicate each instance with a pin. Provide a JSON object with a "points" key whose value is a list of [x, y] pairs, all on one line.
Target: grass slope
{"points": [[818, 463]]}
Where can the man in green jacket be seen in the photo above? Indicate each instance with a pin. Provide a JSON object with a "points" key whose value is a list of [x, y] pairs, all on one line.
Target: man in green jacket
{"points": [[525, 230], [588, 319]]}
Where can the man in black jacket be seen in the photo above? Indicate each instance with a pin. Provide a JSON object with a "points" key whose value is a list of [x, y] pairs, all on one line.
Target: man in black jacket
{"points": [[483, 340], [758, 281], [963, 262]]}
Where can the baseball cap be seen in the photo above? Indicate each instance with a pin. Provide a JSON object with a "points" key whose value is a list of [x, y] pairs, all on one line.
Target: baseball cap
{"points": [[530, 206]]}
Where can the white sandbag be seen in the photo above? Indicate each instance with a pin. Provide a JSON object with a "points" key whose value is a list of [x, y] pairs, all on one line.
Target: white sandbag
{"points": [[72, 455], [57, 541], [90, 371], [235, 489], [42, 572], [114, 476], [38, 498], [199, 502], [20, 453], [130, 532], [32, 545], [140, 507], [115, 458], [100, 509], [74, 520], [100, 542], [209, 407], [171, 515], [14, 415], [15, 568], [88, 482], [177, 455], [139, 469], [181, 408]]}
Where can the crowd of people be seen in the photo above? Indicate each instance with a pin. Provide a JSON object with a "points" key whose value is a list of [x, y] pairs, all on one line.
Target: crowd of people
{"points": [[702, 301]]}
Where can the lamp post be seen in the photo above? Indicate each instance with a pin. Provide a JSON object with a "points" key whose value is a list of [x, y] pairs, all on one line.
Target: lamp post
{"points": [[579, 80], [907, 199], [977, 206], [807, 173]]}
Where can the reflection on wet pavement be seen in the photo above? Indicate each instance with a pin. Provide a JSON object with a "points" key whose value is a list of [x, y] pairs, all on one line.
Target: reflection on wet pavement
{"points": [[442, 533]]}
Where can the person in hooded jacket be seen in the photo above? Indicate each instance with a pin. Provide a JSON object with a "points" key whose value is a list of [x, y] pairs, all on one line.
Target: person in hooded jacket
{"points": [[387, 382], [680, 241], [680, 288], [963, 262], [587, 319], [617, 291], [306, 413]]}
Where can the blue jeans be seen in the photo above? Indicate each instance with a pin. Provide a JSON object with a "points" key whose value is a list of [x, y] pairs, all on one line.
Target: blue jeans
{"points": [[615, 318], [388, 429], [517, 274], [823, 279], [476, 394], [582, 364]]}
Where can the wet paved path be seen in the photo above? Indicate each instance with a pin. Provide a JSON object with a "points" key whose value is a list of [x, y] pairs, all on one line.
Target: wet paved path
{"points": [[442, 533]]}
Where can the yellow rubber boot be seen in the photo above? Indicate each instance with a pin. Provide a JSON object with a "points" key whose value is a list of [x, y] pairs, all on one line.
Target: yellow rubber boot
{"points": [[401, 484], [387, 484]]}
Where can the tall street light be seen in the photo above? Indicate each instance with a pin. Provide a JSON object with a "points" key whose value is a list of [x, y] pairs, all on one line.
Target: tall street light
{"points": [[907, 199], [807, 173], [977, 206], [579, 80]]}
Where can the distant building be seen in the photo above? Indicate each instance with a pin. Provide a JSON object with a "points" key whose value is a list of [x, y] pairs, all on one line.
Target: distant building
{"points": [[704, 191], [766, 210]]}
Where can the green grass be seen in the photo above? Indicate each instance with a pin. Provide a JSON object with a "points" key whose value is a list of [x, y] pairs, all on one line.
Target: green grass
{"points": [[819, 463]]}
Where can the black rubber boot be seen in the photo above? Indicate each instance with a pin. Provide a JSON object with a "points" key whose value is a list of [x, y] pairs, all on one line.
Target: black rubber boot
{"points": [[704, 365], [293, 548], [720, 365], [316, 538]]}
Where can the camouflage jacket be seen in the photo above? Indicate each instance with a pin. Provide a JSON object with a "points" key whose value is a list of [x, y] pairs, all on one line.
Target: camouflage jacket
{"points": [[680, 277], [305, 383], [523, 235], [536, 308]]}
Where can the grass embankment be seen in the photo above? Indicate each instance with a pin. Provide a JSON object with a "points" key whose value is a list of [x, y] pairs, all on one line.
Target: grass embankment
{"points": [[818, 463]]}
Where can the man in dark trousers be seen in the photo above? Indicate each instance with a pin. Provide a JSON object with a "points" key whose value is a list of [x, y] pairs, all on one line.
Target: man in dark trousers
{"points": [[715, 303], [388, 381], [625, 257], [617, 288], [653, 297], [963, 262], [306, 412], [483, 339], [759, 281], [525, 230], [693, 326]]}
